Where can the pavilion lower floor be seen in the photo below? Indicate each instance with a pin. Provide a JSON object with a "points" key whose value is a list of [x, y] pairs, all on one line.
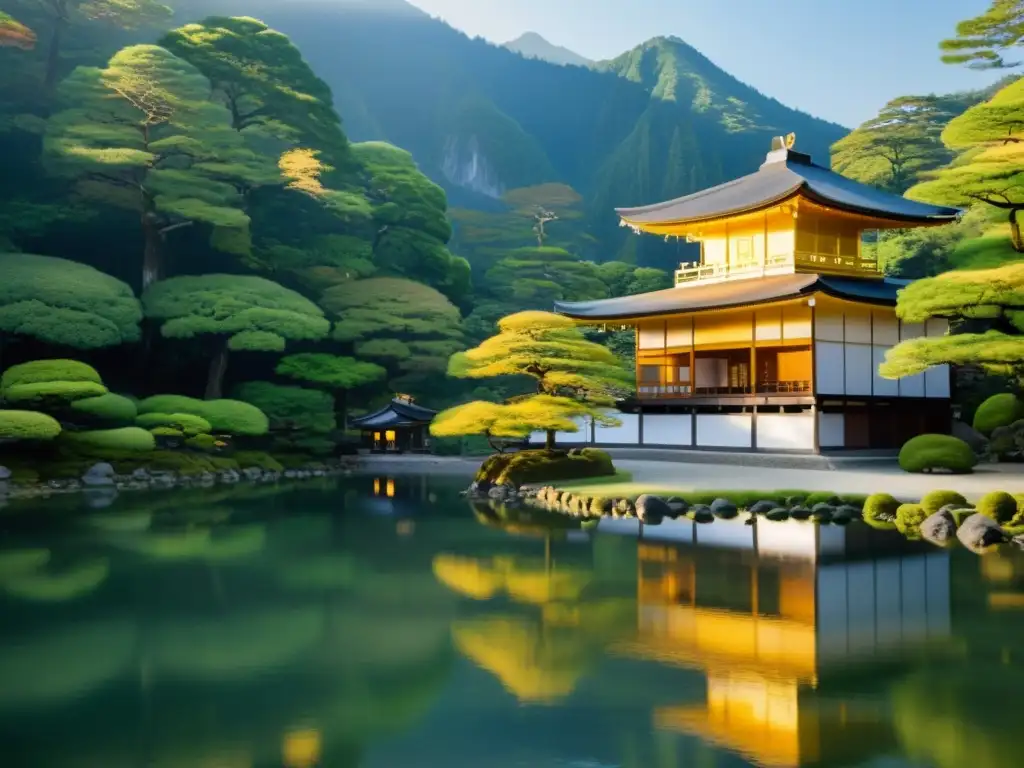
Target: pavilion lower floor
{"points": [[805, 424]]}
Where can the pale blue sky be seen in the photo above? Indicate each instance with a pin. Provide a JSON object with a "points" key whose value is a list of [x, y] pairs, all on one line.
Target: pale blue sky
{"points": [[837, 59]]}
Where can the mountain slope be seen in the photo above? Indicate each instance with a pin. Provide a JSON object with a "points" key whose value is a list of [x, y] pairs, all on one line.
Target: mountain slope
{"points": [[533, 46], [658, 122]]}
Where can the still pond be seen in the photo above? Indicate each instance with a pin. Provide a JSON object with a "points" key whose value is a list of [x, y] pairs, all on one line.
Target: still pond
{"points": [[386, 623]]}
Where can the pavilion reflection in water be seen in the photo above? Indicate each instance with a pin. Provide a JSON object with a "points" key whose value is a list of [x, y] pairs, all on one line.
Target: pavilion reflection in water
{"points": [[786, 622], [781, 626]]}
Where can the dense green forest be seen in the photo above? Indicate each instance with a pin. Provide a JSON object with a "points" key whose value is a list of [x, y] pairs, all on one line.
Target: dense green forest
{"points": [[310, 212]]}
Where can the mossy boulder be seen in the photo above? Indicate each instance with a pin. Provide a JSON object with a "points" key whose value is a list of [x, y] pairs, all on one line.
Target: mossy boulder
{"points": [[132, 439], [762, 507], [939, 528], [27, 425], [1000, 410], [822, 497], [880, 511], [933, 501], [777, 515], [909, 518], [980, 532], [600, 506], [652, 510], [701, 514], [539, 466], [931, 453], [998, 505], [800, 512], [724, 509]]}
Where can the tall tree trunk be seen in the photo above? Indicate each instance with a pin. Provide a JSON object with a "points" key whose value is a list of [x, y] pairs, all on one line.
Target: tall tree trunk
{"points": [[53, 54], [218, 367], [152, 257], [1015, 235], [549, 443]]}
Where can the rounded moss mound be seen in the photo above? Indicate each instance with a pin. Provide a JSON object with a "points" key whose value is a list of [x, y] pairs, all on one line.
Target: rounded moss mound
{"points": [[64, 379], [204, 443], [27, 425], [909, 518], [936, 500], [880, 511], [109, 407], [999, 505], [134, 439], [183, 423], [928, 453], [543, 466], [230, 416], [1000, 410]]}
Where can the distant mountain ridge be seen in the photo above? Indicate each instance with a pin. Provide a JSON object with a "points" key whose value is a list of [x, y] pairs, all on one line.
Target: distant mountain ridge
{"points": [[534, 46], [658, 122]]}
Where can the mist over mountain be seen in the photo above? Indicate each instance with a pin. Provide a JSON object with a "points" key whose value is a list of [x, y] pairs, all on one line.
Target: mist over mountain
{"points": [[533, 46]]}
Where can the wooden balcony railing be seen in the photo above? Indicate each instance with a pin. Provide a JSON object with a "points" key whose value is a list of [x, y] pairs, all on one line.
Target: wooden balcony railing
{"points": [[713, 273], [652, 391]]}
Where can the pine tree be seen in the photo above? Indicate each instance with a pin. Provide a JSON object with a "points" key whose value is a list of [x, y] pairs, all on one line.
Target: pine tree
{"points": [[981, 41], [141, 134]]}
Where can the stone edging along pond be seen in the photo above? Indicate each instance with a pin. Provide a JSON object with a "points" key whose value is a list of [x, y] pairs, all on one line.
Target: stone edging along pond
{"points": [[941, 517], [101, 479]]}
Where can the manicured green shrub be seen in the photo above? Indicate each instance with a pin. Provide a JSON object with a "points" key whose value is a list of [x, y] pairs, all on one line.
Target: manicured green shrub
{"points": [[205, 443], [880, 511], [909, 518], [291, 408], [257, 459], [166, 432], [133, 439], [998, 411], [109, 407], [927, 453], [822, 497], [27, 425], [229, 416], [184, 423], [58, 379], [541, 466], [936, 500], [998, 505]]}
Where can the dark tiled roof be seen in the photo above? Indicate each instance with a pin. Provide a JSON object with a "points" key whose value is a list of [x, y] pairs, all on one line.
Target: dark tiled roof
{"points": [[397, 413], [733, 293], [784, 174]]}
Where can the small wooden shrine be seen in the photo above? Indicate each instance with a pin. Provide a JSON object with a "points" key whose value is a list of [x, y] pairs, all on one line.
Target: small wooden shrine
{"points": [[399, 427]]}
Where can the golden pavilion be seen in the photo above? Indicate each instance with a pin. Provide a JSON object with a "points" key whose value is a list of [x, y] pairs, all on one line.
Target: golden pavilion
{"points": [[772, 340]]}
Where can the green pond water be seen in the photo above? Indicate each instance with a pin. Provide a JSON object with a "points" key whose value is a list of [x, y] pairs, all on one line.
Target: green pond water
{"points": [[387, 623]]}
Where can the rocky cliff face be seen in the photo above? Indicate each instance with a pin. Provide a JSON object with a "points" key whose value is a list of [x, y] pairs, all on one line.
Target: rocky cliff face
{"points": [[464, 164]]}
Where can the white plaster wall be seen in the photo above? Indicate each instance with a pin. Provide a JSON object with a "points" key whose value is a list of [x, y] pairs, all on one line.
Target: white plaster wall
{"points": [[680, 333], [726, 430], [786, 431], [858, 369], [911, 331], [858, 328], [883, 387], [886, 329], [912, 386], [626, 434], [785, 539], [651, 336], [667, 429], [828, 326], [831, 430], [936, 381], [830, 361]]}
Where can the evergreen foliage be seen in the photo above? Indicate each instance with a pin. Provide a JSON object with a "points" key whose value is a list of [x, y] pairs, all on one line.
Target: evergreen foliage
{"points": [[1000, 410], [142, 134], [299, 417], [236, 312], [330, 371], [59, 381], [990, 167], [224, 416], [66, 303], [928, 453], [108, 407], [982, 307], [981, 41], [131, 439], [14, 34], [999, 505], [27, 425], [179, 423]]}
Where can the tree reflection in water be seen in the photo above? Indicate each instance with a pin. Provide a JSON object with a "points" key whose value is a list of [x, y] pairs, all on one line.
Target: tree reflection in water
{"points": [[306, 628]]}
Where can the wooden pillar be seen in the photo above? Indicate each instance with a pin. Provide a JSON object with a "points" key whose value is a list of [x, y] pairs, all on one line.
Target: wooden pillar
{"points": [[814, 377], [764, 261]]}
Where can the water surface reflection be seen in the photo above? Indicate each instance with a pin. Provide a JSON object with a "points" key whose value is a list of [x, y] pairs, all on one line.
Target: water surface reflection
{"points": [[385, 622]]}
